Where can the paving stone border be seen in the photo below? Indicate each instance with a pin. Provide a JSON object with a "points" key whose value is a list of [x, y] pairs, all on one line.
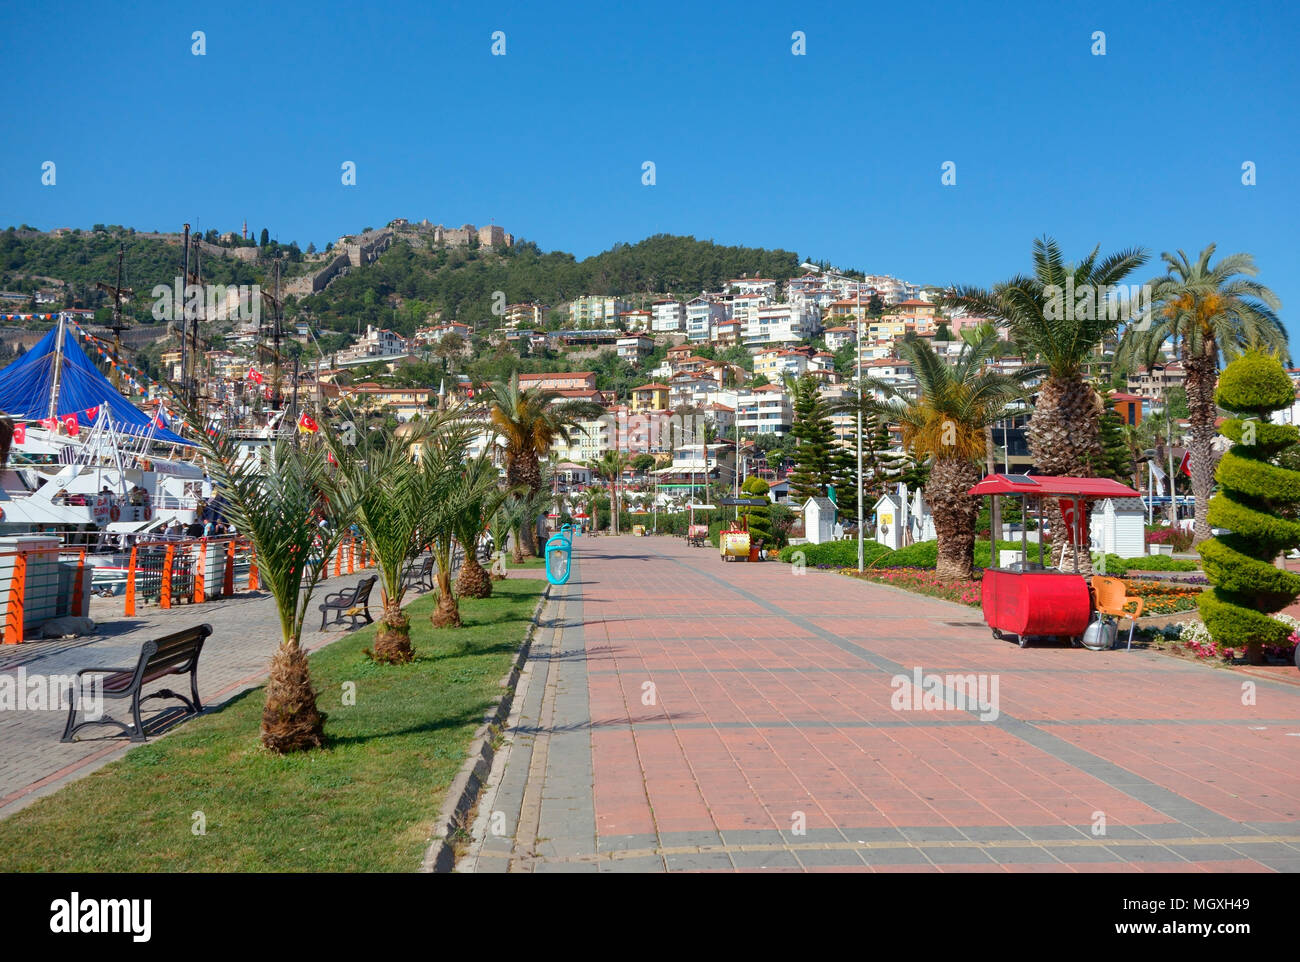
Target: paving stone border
{"points": [[463, 793]]}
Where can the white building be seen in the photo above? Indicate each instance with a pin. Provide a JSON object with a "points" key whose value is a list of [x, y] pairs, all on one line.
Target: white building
{"points": [[702, 314], [753, 285], [668, 317], [764, 410], [595, 310], [778, 324]]}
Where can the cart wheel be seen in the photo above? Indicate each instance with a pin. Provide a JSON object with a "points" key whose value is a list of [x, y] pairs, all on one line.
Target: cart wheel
{"points": [[998, 634], [1022, 640]]}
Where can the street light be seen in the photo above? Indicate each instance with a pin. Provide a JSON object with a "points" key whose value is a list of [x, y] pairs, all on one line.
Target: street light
{"points": [[858, 318]]}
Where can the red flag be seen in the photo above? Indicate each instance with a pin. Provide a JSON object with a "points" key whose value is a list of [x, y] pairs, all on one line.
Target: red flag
{"points": [[1186, 465], [470, 393], [1075, 526], [70, 424], [49, 423], [20, 433], [92, 413], [307, 424], [266, 391], [254, 375], [329, 456]]}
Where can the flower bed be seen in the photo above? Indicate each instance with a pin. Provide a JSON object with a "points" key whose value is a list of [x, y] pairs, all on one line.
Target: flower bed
{"points": [[1162, 599], [924, 581], [1194, 639]]}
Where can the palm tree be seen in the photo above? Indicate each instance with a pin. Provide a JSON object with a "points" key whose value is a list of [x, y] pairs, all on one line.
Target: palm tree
{"points": [[530, 423], [390, 494], [945, 424], [1060, 314], [610, 468], [504, 522], [483, 496], [1210, 312], [287, 506]]}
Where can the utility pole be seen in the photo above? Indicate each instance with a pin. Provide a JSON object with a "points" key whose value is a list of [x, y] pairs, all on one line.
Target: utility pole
{"points": [[185, 281]]}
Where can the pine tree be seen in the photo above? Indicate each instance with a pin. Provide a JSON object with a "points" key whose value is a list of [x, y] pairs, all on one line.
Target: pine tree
{"points": [[815, 437], [266, 237], [1115, 461]]}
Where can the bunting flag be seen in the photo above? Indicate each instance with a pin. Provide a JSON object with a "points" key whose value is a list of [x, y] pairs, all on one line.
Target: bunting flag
{"points": [[307, 424], [20, 433], [160, 419], [70, 424], [92, 413], [266, 392], [49, 423], [29, 317], [1186, 466]]}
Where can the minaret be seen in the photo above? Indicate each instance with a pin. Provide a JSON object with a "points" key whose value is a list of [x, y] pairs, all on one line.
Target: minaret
{"points": [[442, 395], [245, 230]]}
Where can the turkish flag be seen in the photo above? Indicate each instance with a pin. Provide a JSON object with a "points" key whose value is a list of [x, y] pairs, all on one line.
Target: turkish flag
{"points": [[49, 423], [20, 433], [92, 413], [329, 456], [1186, 466], [469, 393], [266, 392], [307, 424], [1076, 526], [254, 375], [70, 424]]}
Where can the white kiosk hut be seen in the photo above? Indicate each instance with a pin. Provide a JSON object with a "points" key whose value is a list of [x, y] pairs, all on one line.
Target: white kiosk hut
{"points": [[891, 521], [1117, 527], [819, 520]]}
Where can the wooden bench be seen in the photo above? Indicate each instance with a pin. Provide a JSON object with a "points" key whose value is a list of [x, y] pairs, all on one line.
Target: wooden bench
{"points": [[420, 575], [174, 654], [351, 603]]}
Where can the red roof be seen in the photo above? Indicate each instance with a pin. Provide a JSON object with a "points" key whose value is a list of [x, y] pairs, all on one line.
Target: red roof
{"points": [[1121, 396], [1056, 486]]}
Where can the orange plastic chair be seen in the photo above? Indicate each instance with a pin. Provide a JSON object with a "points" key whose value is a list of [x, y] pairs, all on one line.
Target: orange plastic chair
{"points": [[1112, 599]]}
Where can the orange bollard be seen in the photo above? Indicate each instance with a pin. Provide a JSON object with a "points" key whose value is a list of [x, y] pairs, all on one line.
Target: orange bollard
{"points": [[352, 553], [17, 601], [228, 586], [165, 593], [338, 559], [130, 585], [76, 588], [199, 589], [252, 572]]}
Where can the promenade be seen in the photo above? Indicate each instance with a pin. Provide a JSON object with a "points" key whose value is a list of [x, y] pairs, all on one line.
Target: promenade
{"points": [[679, 713]]}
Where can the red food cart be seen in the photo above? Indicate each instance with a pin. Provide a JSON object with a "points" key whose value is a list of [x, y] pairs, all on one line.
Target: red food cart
{"points": [[1031, 600]]}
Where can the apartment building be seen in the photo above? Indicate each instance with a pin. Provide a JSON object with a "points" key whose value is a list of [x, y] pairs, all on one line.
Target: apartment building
{"points": [[764, 410], [775, 363], [650, 397], [634, 347], [596, 310], [634, 320], [763, 286], [778, 324], [702, 315], [1154, 383], [559, 381], [668, 317], [837, 337]]}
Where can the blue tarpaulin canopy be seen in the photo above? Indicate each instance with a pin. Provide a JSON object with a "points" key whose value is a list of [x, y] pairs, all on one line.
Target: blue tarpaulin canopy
{"points": [[26, 385]]}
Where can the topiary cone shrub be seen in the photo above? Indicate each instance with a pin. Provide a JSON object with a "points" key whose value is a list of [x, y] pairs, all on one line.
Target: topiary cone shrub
{"points": [[1257, 502]]}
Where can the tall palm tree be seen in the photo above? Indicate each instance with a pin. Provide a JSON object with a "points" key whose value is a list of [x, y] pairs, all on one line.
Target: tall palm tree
{"points": [[1210, 312], [278, 503], [945, 424], [530, 422], [1059, 314], [610, 467]]}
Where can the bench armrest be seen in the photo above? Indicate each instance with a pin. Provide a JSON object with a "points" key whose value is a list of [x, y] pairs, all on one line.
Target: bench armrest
{"points": [[106, 671], [347, 595]]}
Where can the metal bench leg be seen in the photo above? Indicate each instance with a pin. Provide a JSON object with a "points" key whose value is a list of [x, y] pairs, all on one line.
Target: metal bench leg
{"points": [[137, 732], [194, 688], [74, 693]]}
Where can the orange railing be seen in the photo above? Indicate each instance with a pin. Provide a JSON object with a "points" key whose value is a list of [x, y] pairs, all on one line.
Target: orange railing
{"points": [[172, 571], [34, 589]]}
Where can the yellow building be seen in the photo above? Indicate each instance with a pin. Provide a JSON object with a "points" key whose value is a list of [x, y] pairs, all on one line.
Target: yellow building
{"points": [[650, 397]]}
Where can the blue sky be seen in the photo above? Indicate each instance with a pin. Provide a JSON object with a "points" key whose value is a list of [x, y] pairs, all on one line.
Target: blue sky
{"points": [[836, 154]]}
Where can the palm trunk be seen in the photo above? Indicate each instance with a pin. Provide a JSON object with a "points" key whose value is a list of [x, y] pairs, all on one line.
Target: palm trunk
{"points": [[517, 549], [995, 503], [291, 722], [1202, 377], [473, 580], [393, 636], [954, 514], [447, 614]]}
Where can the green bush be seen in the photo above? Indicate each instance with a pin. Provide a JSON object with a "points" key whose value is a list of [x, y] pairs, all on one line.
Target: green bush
{"points": [[1156, 562], [842, 554], [1254, 383]]}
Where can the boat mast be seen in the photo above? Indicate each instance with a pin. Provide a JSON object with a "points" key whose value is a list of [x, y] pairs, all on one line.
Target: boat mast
{"points": [[58, 368], [185, 280]]}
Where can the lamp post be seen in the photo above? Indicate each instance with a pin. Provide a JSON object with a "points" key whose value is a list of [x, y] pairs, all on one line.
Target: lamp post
{"points": [[858, 390]]}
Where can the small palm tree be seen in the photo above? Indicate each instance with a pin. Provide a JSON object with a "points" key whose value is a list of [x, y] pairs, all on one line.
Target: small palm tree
{"points": [[610, 468], [530, 422], [1047, 321], [505, 521], [484, 497], [1209, 312], [390, 492], [945, 424], [287, 505]]}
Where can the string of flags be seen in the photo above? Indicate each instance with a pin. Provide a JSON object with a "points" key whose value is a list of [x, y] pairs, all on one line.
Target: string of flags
{"points": [[131, 374], [30, 317]]}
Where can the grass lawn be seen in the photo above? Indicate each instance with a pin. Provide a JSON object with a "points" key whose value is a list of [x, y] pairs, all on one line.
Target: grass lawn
{"points": [[366, 803]]}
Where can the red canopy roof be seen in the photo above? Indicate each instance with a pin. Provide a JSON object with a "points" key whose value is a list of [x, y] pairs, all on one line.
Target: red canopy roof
{"points": [[1054, 486]]}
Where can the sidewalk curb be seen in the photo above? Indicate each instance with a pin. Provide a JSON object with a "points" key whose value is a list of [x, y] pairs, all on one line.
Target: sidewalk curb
{"points": [[462, 794]]}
